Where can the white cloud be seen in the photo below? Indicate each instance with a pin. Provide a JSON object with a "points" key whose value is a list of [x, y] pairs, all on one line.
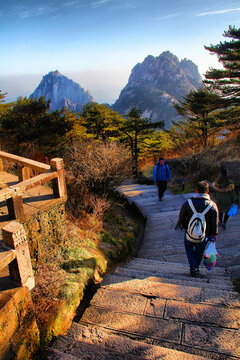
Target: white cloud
{"points": [[218, 12], [116, 4], [38, 11], [99, 3], [169, 16]]}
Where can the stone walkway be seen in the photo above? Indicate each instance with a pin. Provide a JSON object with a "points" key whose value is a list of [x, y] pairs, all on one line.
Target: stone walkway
{"points": [[150, 308]]}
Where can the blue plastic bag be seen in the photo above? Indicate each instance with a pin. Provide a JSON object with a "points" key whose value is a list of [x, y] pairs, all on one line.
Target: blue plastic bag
{"points": [[233, 211], [210, 255]]}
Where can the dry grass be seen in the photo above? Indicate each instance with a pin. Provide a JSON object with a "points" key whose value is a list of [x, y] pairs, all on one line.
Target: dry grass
{"points": [[94, 243]]}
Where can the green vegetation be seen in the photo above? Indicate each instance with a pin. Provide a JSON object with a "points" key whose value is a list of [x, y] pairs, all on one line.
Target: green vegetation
{"points": [[93, 245], [28, 124], [226, 81], [200, 123]]}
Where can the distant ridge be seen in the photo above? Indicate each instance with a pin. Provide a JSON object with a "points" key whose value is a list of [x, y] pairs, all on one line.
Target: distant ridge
{"points": [[156, 84], [62, 92]]}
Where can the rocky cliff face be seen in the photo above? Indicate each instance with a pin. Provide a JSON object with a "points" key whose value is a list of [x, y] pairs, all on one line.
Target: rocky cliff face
{"points": [[62, 92], [156, 84]]}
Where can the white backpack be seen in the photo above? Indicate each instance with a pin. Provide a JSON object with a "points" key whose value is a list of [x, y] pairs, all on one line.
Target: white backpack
{"points": [[197, 224]]}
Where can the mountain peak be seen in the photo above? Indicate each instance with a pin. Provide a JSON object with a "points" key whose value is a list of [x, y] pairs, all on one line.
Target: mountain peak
{"points": [[55, 73], [62, 92], [156, 84]]}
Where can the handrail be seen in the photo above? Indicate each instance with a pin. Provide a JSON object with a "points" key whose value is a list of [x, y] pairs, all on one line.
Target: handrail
{"points": [[35, 181], [17, 254], [7, 255], [13, 194], [32, 164], [6, 193]]}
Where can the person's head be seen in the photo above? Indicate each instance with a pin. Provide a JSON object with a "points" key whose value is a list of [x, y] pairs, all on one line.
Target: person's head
{"points": [[161, 160], [202, 187]]}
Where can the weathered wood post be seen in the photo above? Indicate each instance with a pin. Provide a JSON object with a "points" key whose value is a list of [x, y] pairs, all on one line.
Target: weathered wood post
{"points": [[20, 268], [24, 172], [15, 205], [59, 184]]}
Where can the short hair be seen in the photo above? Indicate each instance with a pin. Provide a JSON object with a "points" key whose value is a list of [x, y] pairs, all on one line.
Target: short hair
{"points": [[202, 187], [161, 158]]}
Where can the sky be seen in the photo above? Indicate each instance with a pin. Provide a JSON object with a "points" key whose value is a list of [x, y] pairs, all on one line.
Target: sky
{"points": [[96, 43]]}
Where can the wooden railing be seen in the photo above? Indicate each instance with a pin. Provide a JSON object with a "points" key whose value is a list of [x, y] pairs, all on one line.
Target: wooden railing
{"points": [[14, 252], [13, 194]]}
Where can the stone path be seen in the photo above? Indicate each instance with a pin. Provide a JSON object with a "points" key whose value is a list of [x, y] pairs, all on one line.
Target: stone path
{"points": [[150, 308]]}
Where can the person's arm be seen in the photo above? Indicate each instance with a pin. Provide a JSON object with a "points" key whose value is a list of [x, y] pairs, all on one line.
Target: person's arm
{"points": [[155, 174], [169, 174], [182, 218], [214, 223]]}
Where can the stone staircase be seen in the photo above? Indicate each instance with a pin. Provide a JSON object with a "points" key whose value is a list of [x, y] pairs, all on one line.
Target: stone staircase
{"points": [[150, 308]]}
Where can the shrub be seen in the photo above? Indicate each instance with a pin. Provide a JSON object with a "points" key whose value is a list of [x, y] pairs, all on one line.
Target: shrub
{"points": [[94, 170]]}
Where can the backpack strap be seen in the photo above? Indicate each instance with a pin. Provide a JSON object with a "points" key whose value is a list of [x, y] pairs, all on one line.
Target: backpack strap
{"points": [[192, 206], [208, 207], [194, 210]]}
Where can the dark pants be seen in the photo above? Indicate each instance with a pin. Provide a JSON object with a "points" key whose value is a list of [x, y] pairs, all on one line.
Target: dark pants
{"points": [[194, 252], [162, 187], [223, 219]]}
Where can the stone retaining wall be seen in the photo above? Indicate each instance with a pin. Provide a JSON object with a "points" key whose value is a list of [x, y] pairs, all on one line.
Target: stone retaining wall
{"points": [[19, 334], [46, 227]]}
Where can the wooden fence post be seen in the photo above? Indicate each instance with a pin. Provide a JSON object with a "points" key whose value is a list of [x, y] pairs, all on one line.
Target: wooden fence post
{"points": [[20, 268], [24, 172], [59, 184], [15, 206]]}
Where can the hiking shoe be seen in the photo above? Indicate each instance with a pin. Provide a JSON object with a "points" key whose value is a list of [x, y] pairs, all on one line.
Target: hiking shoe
{"points": [[194, 272]]}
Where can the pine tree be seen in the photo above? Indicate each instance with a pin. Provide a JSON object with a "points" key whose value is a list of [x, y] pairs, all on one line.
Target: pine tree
{"points": [[137, 133], [226, 81], [199, 110]]}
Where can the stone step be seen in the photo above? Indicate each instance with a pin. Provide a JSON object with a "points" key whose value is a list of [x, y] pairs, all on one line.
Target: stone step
{"points": [[203, 280], [163, 266], [91, 342], [161, 251], [154, 287], [123, 301], [177, 332]]}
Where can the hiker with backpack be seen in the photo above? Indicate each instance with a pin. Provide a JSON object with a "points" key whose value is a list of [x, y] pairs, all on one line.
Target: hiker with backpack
{"points": [[225, 196], [161, 175], [199, 217]]}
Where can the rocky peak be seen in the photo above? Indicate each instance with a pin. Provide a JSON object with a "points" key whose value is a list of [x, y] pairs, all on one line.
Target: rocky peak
{"points": [[156, 83], [62, 92], [191, 70]]}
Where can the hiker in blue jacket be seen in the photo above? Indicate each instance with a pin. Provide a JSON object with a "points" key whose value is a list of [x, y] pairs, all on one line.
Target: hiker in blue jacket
{"points": [[161, 175]]}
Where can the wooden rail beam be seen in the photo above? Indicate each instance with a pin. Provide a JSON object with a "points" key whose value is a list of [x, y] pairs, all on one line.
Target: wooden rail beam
{"points": [[7, 255], [35, 181], [35, 165], [6, 194]]}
